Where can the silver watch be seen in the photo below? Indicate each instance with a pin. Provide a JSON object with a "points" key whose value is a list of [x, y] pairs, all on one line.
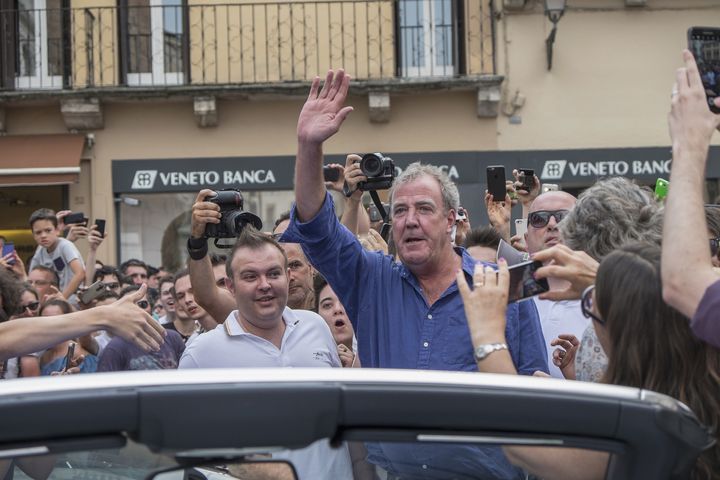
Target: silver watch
{"points": [[482, 351]]}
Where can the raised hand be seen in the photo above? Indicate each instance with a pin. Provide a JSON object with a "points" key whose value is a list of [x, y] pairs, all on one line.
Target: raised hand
{"points": [[324, 110], [203, 213], [564, 356]]}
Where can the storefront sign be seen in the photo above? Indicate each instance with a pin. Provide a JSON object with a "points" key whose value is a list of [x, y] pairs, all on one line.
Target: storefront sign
{"points": [[568, 167]]}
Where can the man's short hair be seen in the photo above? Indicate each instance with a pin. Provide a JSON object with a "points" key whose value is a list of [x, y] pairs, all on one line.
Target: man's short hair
{"points": [[55, 277], [319, 282], [166, 279], [133, 262], [252, 239], [448, 190], [152, 271], [217, 259], [712, 218], [65, 307], [43, 214], [483, 237], [283, 216], [105, 270], [610, 214]]}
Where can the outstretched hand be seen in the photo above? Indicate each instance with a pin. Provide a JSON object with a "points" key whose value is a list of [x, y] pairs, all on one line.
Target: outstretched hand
{"points": [[323, 112], [576, 267], [127, 320]]}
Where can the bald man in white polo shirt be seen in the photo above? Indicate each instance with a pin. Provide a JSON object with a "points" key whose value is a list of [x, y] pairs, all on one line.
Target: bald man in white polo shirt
{"points": [[264, 332]]}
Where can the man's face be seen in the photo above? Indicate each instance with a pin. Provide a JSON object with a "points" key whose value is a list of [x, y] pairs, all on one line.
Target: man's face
{"points": [[44, 233], [186, 299], [300, 276], [40, 281], [152, 281], [483, 254], [166, 297], [220, 276], [333, 312], [259, 285], [137, 274], [421, 226], [111, 283], [540, 238]]}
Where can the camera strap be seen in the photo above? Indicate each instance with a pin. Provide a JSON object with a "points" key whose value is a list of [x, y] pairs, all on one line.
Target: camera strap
{"points": [[383, 214]]}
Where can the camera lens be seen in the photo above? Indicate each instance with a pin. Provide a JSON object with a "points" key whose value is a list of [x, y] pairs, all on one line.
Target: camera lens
{"points": [[371, 165]]}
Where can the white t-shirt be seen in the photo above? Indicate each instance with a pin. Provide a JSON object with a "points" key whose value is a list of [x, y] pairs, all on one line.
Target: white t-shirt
{"points": [[59, 260], [557, 318], [307, 342]]}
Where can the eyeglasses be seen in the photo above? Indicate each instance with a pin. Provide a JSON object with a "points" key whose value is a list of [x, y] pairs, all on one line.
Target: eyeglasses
{"points": [[541, 218], [32, 306], [586, 305], [714, 246], [144, 304]]}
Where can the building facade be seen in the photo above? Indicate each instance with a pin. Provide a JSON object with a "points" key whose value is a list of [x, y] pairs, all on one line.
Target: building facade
{"points": [[125, 109]]}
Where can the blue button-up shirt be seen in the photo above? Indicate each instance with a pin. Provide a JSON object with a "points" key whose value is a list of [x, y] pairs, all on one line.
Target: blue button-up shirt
{"points": [[396, 328]]}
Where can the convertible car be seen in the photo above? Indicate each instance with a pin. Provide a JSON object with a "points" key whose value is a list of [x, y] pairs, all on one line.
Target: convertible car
{"points": [[208, 424]]}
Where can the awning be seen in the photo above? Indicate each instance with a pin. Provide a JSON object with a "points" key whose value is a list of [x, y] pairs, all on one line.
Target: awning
{"points": [[40, 159]]}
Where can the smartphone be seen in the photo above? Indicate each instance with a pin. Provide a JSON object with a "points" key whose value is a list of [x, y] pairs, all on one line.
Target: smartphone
{"points": [[704, 43], [75, 218], [523, 284], [374, 214], [496, 182], [69, 356], [8, 248], [331, 174], [461, 215], [92, 292], [520, 226], [100, 222], [661, 188], [527, 177]]}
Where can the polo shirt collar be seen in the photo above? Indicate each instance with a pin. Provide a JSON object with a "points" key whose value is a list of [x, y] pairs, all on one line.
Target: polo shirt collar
{"points": [[233, 327]]}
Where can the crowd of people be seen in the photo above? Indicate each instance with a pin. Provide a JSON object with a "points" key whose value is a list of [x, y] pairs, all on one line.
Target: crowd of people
{"points": [[633, 286]]}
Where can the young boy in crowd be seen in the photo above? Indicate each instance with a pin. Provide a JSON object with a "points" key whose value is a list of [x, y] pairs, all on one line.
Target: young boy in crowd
{"points": [[56, 253]]}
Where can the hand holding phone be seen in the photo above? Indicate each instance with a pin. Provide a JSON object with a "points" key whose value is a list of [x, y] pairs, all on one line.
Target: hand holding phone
{"points": [[69, 356], [100, 224], [92, 292], [8, 251], [523, 284], [496, 182], [75, 218], [704, 43]]}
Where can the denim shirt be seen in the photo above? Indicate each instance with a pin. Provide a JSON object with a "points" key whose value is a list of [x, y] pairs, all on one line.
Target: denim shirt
{"points": [[396, 328]]}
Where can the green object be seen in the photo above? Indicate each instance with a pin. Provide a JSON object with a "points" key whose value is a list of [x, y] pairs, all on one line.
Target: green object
{"points": [[661, 188]]}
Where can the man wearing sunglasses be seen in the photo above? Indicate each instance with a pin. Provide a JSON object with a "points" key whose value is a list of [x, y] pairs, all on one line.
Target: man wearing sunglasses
{"points": [[556, 318]]}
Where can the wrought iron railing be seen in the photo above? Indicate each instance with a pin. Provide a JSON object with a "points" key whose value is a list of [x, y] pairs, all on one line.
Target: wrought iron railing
{"points": [[230, 44]]}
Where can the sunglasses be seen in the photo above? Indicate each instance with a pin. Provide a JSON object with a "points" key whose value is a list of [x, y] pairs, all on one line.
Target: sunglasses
{"points": [[541, 218], [714, 246], [112, 286], [144, 304], [586, 305], [32, 306]]}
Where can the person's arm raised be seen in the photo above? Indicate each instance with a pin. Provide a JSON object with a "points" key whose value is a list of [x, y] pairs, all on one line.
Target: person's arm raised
{"points": [[320, 119], [686, 266]]}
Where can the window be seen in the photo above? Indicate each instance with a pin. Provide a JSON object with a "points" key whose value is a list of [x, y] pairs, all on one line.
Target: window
{"points": [[39, 52], [426, 38], [154, 42]]}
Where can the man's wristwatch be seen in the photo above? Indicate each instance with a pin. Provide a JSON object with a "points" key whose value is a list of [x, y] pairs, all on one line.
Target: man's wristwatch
{"points": [[197, 248], [482, 351]]}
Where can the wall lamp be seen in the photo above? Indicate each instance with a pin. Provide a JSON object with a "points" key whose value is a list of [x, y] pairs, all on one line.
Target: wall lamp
{"points": [[554, 10]]}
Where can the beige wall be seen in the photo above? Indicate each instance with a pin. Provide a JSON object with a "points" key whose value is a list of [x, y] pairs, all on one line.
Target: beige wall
{"points": [[611, 78]]}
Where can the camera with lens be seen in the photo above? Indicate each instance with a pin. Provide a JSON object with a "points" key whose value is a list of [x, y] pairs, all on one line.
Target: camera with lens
{"points": [[379, 170], [232, 217]]}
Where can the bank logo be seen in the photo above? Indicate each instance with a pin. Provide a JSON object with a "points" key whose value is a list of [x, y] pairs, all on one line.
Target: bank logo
{"points": [[553, 170], [144, 179]]}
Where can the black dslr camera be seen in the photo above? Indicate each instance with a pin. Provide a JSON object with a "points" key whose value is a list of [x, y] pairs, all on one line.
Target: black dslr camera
{"points": [[379, 170], [233, 219]]}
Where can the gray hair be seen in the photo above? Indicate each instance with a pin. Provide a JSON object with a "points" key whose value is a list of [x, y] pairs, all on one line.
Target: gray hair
{"points": [[610, 214], [448, 190]]}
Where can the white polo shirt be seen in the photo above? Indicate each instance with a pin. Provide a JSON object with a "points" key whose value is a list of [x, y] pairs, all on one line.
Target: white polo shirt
{"points": [[307, 342], [556, 318]]}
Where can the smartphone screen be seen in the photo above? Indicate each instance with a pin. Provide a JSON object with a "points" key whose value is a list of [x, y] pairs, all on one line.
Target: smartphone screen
{"points": [[496, 182], [704, 43], [522, 282], [7, 249], [100, 222], [331, 174], [520, 226], [70, 355]]}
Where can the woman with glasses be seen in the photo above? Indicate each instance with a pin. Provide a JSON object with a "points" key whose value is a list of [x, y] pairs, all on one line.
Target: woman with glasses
{"points": [[649, 345], [54, 358], [26, 365]]}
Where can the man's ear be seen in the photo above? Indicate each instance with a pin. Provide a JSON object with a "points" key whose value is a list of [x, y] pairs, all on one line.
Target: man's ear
{"points": [[450, 219], [230, 285]]}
